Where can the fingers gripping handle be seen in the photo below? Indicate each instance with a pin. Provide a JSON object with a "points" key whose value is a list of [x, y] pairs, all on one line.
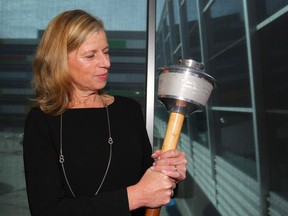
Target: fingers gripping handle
{"points": [[171, 139]]}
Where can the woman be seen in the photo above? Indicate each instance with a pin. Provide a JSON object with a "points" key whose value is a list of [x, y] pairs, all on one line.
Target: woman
{"points": [[86, 152]]}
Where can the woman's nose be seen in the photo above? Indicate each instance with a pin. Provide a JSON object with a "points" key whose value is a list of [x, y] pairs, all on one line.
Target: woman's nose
{"points": [[104, 60]]}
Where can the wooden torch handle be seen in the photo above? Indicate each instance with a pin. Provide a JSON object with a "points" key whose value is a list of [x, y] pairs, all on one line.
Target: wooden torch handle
{"points": [[173, 131], [171, 139]]}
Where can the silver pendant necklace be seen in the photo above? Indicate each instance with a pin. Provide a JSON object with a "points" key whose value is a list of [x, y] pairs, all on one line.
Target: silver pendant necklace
{"points": [[110, 142]]}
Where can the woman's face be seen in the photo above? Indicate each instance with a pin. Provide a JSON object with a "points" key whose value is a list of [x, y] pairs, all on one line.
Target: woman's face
{"points": [[90, 63]]}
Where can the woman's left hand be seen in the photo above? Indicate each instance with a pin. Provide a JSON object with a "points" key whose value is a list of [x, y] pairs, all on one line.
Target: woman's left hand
{"points": [[173, 163]]}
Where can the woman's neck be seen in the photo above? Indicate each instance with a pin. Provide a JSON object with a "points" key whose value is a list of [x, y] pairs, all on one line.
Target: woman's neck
{"points": [[86, 100], [94, 100]]}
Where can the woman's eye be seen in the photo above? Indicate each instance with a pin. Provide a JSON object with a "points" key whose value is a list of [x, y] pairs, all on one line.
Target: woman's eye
{"points": [[90, 56]]}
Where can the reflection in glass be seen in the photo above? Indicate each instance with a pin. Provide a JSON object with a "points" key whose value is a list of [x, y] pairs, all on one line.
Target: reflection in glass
{"points": [[267, 8], [194, 41], [277, 138], [176, 27], [234, 140], [165, 25], [274, 57], [193, 37], [230, 69], [275, 88], [198, 127], [192, 12], [224, 25], [168, 52]]}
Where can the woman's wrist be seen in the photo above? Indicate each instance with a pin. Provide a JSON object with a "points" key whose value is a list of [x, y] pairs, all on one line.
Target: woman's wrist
{"points": [[134, 197]]}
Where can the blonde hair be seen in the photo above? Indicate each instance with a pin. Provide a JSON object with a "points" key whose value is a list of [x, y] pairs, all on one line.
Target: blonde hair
{"points": [[52, 81]]}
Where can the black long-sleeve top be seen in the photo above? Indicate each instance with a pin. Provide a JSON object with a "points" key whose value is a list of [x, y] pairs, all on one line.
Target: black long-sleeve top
{"points": [[86, 153]]}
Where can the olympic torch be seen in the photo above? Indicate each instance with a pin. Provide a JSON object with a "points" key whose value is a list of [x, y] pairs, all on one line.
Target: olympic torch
{"points": [[183, 89]]}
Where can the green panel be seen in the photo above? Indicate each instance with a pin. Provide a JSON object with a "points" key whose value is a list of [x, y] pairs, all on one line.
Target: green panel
{"points": [[117, 43]]}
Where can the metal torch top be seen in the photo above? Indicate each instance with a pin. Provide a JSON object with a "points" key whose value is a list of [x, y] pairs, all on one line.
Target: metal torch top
{"points": [[191, 67], [185, 87]]}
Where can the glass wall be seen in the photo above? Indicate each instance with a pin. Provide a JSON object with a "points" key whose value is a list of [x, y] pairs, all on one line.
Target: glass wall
{"points": [[237, 148], [21, 26]]}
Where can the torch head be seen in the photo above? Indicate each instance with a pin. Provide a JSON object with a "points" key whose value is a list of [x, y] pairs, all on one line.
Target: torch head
{"points": [[185, 88]]}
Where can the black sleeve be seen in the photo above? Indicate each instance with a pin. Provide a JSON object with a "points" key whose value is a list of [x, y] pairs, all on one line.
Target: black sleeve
{"points": [[46, 194]]}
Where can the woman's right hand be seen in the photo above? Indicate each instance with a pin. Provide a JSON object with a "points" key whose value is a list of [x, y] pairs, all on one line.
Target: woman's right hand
{"points": [[153, 190]]}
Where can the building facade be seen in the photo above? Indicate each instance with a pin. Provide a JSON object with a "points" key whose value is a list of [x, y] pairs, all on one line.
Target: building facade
{"points": [[236, 148]]}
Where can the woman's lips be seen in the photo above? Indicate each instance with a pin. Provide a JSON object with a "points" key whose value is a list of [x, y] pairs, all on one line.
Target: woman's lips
{"points": [[103, 76]]}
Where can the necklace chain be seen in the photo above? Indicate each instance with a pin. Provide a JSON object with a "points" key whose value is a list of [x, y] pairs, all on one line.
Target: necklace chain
{"points": [[110, 142]]}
